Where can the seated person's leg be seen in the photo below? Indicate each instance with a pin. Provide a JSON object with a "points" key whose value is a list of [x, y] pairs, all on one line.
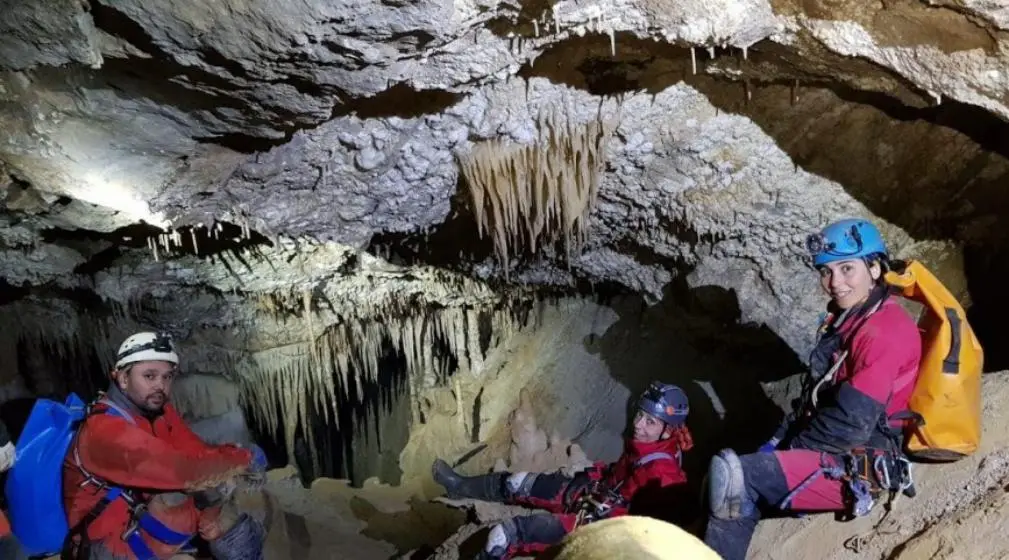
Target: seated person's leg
{"points": [[232, 535], [524, 535], [542, 490], [740, 487], [487, 487], [545, 490]]}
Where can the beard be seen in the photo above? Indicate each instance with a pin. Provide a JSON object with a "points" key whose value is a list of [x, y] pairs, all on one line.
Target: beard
{"points": [[154, 402]]}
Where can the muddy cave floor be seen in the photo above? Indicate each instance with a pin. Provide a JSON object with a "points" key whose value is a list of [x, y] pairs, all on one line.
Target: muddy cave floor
{"points": [[960, 512]]}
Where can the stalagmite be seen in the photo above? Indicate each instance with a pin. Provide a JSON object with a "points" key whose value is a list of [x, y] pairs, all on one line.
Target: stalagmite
{"points": [[526, 196]]}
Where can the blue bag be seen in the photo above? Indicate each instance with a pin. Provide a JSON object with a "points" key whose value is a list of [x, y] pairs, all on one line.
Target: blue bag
{"points": [[35, 483]]}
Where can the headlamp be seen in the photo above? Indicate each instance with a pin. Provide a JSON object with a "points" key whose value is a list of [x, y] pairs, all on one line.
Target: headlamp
{"points": [[818, 244], [162, 343]]}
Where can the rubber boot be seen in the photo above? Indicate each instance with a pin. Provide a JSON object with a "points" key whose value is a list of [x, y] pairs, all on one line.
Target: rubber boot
{"points": [[484, 555], [487, 487]]}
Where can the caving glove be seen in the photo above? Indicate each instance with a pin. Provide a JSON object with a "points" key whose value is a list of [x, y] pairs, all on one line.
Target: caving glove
{"points": [[259, 461], [770, 446]]}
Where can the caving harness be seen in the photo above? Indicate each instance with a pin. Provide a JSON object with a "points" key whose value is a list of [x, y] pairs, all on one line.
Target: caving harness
{"points": [[596, 500], [77, 544], [866, 472]]}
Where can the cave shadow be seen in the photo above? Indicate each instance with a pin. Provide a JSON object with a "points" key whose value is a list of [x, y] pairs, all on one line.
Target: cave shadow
{"points": [[423, 526], [694, 338], [986, 267]]}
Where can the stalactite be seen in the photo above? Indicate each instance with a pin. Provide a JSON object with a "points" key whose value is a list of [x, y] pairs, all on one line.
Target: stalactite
{"points": [[281, 383], [531, 195]]}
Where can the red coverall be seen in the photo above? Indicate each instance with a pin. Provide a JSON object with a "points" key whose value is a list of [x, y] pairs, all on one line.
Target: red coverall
{"points": [[874, 382], [882, 365], [635, 481], [155, 455]]}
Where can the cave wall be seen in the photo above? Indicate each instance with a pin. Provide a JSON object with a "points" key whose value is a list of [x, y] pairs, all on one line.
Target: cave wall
{"points": [[580, 368], [281, 190], [692, 197]]}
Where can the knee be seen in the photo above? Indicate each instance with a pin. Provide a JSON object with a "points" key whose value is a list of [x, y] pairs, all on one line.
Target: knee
{"points": [[242, 541], [728, 495], [765, 478], [501, 538], [520, 484]]}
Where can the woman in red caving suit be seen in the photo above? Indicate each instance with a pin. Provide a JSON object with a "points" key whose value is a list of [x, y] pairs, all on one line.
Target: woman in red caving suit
{"points": [[852, 409], [649, 466]]}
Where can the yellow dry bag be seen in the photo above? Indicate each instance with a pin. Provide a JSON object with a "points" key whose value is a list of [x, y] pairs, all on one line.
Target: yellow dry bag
{"points": [[947, 393]]}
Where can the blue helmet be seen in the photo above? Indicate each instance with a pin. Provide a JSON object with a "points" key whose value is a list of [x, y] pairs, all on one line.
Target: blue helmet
{"points": [[853, 238], [666, 402]]}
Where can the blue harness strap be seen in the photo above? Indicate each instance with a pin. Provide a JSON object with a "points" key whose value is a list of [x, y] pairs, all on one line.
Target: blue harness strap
{"points": [[159, 531], [141, 518]]}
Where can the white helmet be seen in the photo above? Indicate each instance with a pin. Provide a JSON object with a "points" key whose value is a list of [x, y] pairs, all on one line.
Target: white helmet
{"points": [[147, 347]]}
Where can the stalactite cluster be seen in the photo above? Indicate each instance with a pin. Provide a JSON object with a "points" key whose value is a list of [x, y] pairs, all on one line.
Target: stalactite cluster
{"points": [[281, 385], [296, 356], [527, 196]]}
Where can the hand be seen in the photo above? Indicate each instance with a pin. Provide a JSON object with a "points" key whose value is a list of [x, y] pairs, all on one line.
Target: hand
{"points": [[259, 462], [253, 482], [7, 454], [770, 446]]}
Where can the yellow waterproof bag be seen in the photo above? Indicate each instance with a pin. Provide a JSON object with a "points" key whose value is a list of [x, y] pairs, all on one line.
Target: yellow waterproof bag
{"points": [[947, 393]]}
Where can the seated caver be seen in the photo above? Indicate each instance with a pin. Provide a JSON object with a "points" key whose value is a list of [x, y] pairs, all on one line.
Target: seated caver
{"points": [[651, 463], [138, 483], [841, 449]]}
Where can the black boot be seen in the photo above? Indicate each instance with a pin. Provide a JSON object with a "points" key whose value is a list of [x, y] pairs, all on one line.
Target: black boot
{"points": [[484, 555], [487, 487]]}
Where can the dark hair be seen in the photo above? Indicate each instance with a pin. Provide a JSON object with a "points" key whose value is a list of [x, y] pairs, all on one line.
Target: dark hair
{"points": [[886, 264]]}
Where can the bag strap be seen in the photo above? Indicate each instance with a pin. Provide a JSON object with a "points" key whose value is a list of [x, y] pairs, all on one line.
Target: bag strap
{"points": [[113, 409]]}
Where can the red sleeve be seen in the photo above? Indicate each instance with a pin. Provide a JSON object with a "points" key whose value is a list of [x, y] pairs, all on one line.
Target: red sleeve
{"points": [[645, 490], [182, 436], [120, 453], [616, 472], [653, 489]]}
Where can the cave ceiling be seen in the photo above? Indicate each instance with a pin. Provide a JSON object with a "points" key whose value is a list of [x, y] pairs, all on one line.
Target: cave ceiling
{"points": [[256, 147]]}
